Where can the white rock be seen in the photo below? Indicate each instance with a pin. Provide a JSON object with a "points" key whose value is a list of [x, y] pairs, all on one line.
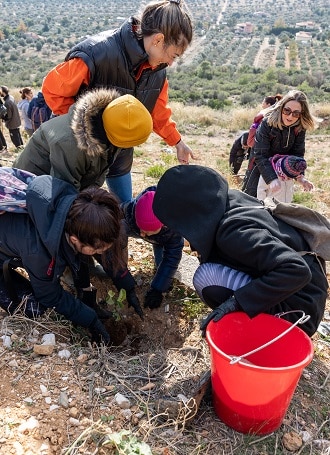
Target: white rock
{"points": [[13, 363], [44, 390], [122, 401], [64, 354], [28, 425], [48, 400], [127, 413], [74, 422], [322, 443], [53, 407], [64, 400], [48, 338], [6, 340], [305, 436], [99, 390]]}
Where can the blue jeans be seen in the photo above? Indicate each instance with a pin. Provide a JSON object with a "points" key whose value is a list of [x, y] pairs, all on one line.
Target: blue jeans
{"points": [[122, 186]]}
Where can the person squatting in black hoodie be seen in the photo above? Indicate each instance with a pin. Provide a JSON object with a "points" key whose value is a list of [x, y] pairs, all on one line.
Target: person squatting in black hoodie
{"points": [[251, 261]]}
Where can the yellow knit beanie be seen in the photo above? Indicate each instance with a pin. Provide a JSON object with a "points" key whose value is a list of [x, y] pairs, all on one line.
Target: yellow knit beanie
{"points": [[126, 122]]}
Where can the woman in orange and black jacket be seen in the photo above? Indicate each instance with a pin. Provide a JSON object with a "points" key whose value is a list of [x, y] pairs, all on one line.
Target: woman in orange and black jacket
{"points": [[133, 60]]}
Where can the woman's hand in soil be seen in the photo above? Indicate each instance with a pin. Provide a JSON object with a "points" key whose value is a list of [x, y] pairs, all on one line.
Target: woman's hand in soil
{"points": [[133, 301], [98, 332], [153, 299]]}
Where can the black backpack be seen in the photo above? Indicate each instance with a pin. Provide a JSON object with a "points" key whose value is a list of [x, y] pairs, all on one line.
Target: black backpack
{"points": [[39, 115], [3, 111]]}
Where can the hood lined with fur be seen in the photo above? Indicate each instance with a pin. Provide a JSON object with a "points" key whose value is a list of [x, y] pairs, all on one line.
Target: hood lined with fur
{"points": [[87, 120]]}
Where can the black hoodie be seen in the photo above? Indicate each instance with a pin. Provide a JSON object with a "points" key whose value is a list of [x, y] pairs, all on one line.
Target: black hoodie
{"points": [[230, 227]]}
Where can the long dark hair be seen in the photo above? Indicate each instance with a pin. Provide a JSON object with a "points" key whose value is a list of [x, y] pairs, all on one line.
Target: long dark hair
{"points": [[273, 99], [95, 219]]}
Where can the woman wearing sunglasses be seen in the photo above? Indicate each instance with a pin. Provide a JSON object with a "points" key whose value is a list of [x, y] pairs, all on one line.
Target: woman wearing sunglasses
{"points": [[282, 132]]}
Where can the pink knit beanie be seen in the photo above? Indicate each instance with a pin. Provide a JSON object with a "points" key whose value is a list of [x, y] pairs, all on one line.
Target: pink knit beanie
{"points": [[144, 215]]}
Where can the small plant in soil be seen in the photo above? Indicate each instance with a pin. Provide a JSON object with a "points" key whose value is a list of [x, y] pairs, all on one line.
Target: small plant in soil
{"points": [[116, 303]]}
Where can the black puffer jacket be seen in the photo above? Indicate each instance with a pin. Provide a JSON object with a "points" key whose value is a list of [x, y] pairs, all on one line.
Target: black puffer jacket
{"points": [[113, 58]]}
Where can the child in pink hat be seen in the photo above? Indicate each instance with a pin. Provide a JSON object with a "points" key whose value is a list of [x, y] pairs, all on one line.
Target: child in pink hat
{"points": [[141, 222], [289, 168]]}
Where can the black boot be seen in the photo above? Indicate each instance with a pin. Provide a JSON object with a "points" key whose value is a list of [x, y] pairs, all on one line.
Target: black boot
{"points": [[89, 299]]}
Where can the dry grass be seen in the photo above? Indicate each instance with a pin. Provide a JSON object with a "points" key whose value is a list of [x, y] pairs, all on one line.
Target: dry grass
{"points": [[232, 119]]}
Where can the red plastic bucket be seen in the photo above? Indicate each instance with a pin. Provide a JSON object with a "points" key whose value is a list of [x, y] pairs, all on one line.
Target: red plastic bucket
{"points": [[252, 394]]}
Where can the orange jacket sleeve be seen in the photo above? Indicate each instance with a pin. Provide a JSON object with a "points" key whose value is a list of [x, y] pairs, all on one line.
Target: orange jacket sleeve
{"points": [[164, 126], [62, 84]]}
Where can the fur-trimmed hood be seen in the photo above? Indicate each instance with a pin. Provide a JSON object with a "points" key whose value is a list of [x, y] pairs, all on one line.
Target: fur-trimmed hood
{"points": [[87, 120]]}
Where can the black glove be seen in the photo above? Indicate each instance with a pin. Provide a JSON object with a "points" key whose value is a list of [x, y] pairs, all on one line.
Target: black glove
{"points": [[228, 306], [89, 299], [153, 299], [98, 332], [133, 301]]}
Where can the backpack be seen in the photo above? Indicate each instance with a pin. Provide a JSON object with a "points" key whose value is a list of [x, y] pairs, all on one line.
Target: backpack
{"points": [[16, 293], [39, 115], [312, 225], [13, 185], [3, 111]]}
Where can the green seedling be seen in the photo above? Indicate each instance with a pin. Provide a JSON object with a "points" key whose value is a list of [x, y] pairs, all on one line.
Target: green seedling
{"points": [[116, 302]]}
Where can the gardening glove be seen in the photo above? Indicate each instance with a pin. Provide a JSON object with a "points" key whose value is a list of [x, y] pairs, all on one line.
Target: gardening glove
{"points": [[133, 301], [98, 333], [275, 186], [89, 299], [153, 299], [228, 306]]}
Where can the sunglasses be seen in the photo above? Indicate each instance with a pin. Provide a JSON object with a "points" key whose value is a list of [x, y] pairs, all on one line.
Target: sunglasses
{"points": [[288, 111]]}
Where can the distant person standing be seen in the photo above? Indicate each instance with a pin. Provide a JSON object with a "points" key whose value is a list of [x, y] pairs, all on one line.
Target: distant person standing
{"points": [[13, 119], [38, 111], [238, 152], [133, 60], [3, 114], [23, 107], [267, 102]]}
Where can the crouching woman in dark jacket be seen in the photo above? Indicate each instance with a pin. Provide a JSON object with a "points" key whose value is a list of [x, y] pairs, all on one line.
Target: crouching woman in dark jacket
{"points": [[251, 261], [58, 226]]}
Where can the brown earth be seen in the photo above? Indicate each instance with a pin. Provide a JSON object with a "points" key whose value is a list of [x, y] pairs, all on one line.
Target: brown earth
{"points": [[55, 405]]}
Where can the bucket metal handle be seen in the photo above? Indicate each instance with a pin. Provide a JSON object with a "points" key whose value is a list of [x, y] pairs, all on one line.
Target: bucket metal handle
{"points": [[304, 318]]}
